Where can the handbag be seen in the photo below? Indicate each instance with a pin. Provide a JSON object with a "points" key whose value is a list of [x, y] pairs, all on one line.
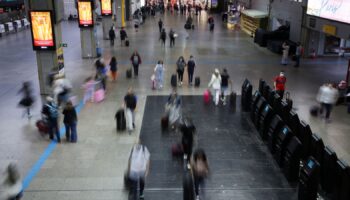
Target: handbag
{"points": [[289, 101]]}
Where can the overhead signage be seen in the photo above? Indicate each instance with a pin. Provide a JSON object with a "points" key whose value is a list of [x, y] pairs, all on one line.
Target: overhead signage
{"points": [[331, 30], [42, 30], [337, 10], [85, 14], [106, 7]]}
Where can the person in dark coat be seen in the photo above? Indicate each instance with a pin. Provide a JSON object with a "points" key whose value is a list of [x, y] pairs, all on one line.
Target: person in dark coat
{"points": [[114, 69], [27, 99], [111, 36], [160, 25], [50, 111], [163, 37], [135, 61], [70, 122], [123, 36], [190, 69], [172, 37]]}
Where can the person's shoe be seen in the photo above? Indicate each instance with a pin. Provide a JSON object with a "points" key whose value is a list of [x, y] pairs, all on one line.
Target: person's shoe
{"points": [[185, 157], [142, 196], [133, 125], [197, 197]]}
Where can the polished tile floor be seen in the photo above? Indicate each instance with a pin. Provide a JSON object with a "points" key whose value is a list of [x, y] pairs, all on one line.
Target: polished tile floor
{"points": [[93, 168]]}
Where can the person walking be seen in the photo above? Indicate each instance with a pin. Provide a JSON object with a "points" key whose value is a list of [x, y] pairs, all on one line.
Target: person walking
{"points": [[280, 84], [160, 25], [298, 53], [113, 68], [138, 169], [172, 37], [163, 37], [327, 96], [135, 61], [159, 74], [11, 183], [123, 36], [130, 103], [50, 111], [190, 69], [181, 64], [200, 169], [27, 98], [70, 122], [111, 36], [188, 130], [285, 53], [215, 82], [173, 109], [225, 80]]}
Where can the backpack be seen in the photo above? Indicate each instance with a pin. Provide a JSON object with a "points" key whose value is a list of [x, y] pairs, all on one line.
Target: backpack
{"points": [[53, 111]]}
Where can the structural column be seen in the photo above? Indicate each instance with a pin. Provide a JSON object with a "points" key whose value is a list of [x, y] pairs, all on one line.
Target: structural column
{"points": [[120, 13], [49, 56]]}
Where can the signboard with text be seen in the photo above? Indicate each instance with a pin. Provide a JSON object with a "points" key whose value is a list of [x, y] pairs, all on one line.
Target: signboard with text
{"points": [[106, 7], [42, 30], [85, 14]]}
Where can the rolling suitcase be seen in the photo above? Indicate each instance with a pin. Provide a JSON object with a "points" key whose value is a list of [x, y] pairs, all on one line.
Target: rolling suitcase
{"points": [[128, 73], [120, 120], [314, 111], [173, 80], [164, 122], [206, 96], [99, 95], [127, 43], [42, 126], [233, 97], [197, 81]]}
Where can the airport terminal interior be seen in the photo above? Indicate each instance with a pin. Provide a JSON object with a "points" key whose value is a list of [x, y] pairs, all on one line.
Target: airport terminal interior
{"points": [[244, 163]]}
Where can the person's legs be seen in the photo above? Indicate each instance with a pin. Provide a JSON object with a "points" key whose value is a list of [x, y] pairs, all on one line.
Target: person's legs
{"points": [[57, 130], [196, 185], [181, 76], [68, 134], [328, 108], [190, 76], [129, 119], [297, 61], [51, 129], [280, 93], [142, 187], [74, 136], [217, 96], [136, 70], [133, 190]]}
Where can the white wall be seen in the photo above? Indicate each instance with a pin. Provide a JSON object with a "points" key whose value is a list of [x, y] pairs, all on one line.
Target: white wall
{"points": [[262, 5]]}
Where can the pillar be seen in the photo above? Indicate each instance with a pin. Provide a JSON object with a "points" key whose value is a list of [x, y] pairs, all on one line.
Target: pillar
{"points": [[120, 13], [47, 60]]}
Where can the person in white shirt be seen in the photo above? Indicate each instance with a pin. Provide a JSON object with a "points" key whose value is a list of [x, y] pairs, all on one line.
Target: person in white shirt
{"points": [[327, 96], [139, 162], [215, 83]]}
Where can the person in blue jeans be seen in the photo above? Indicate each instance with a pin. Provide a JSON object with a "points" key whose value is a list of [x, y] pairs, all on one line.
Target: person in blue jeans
{"points": [[70, 122], [50, 110]]}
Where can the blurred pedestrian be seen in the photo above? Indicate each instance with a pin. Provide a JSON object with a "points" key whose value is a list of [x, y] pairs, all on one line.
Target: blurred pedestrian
{"points": [[113, 68], [298, 54], [70, 122], [136, 61], [27, 98], [123, 36], [280, 84], [111, 34], [172, 36], [139, 163], [11, 184], [190, 69], [159, 74], [61, 89], [50, 111], [181, 64], [130, 103], [215, 82], [285, 53], [160, 25], [163, 37], [89, 89], [188, 130], [200, 168], [327, 96], [173, 109], [225, 80]]}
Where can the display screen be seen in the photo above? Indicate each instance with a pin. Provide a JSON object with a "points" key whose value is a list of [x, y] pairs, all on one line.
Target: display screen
{"points": [[310, 164], [85, 14], [338, 10], [106, 7], [42, 30]]}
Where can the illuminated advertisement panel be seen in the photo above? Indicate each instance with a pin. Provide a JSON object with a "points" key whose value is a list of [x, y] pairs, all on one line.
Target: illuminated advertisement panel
{"points": [[337, 10], [42, 30], [85, 14], [106, 7]]}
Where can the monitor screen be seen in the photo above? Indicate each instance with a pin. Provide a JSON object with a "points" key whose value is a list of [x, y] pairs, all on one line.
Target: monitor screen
{"points": [[106, 7], [85, 14], [311, 164], [42, 30], [337, 10]]}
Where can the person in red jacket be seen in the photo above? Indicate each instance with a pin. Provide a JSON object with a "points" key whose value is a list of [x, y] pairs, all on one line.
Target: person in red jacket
{"points": [[279, 83]]}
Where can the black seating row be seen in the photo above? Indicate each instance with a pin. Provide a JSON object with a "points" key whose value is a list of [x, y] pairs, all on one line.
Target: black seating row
{"points": [[292, 143]]}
